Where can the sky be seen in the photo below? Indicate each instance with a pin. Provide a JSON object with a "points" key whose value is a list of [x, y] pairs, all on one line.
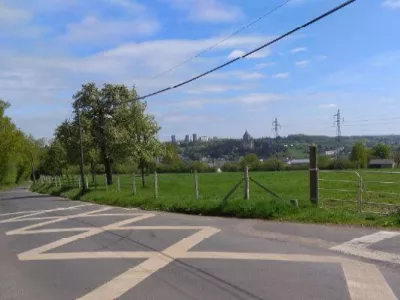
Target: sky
{"points": [[349, 61]]}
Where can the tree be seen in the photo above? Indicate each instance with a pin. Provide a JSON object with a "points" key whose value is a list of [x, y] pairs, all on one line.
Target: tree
{"points": [[273, 164], [116, 124], [359, 155], [99, 111], [15, 150], [171, 156], [396, 156], [381, 151], [141, 129], [250, 160], [324, 162]]}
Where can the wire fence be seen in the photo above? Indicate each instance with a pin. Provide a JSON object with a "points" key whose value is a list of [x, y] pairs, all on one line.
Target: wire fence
{"points": [[210, 186]]}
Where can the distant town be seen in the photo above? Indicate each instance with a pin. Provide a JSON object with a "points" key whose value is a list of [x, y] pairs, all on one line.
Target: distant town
{"points": [[292, 149]]}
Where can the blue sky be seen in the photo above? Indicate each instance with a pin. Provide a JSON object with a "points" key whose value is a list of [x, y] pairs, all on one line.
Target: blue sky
{"points": [[349, 61]]}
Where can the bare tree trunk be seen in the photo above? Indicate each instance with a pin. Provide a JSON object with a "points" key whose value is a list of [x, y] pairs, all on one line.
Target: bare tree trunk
{"points": [[92, 170], [108, 169], [143, 180]]}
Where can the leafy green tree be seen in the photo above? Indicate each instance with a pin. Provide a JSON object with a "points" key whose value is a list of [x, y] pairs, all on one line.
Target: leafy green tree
{"points": [[381, 151], [359, 155], [16, 150], [117, 126], [250, 160], [396, 156], [324, 162], [171, 156], [273, 164]]}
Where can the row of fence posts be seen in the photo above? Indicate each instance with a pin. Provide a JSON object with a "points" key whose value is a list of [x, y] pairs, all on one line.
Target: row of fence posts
{"points": [[57, 181]]}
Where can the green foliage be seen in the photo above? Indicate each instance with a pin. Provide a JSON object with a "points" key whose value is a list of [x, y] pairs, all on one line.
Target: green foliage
{"points": [[273, 164], [176, 194], [250, 160], [381, 151], [16, 151], [396, 156], [359, 155], [324, 162]]}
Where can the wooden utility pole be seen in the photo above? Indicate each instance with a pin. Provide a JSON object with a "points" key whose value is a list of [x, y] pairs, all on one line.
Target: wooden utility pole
{"points": [[82, 162]]}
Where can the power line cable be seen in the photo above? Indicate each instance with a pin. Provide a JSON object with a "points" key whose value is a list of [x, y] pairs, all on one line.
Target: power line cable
{"points": [[320, 17], [222, 40]]}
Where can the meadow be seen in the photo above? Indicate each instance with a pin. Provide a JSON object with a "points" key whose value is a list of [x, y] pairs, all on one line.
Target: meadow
{"points": [[176, 193]]}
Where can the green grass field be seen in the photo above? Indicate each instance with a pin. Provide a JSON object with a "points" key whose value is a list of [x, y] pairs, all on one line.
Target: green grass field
{"points": [[176, 194]]}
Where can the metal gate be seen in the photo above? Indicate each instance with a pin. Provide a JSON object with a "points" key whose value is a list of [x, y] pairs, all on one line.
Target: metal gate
{"points": [[362, 191]]}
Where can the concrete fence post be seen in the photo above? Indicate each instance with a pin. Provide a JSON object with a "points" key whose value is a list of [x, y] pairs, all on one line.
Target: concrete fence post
{"points": [[246, 184], [314, 192], [105, 181], [134, 183], [87, 182], [118, 184], [79, 182], [196, 185], [155, 185]]}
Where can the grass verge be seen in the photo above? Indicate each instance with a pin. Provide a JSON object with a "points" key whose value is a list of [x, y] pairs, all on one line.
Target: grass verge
{"points": [[260, 206]]}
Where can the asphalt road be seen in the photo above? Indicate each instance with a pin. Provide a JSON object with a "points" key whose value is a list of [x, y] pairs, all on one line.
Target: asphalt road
{"points": [[52, 248]]}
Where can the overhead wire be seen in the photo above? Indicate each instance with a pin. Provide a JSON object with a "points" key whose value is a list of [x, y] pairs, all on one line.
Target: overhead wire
{"points": [[222, 40], [320, 17]]}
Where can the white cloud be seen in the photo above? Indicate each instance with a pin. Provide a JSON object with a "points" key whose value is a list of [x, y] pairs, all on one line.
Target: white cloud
{"points": [[302, 63], [208, 10], [391, 4], [265, 65], [240, 53], [92, 29], [259, 98], [127, 4], [299, 49], [281, 75], [251, 76], [236, 54], [321, 57], [330, 105], [13, 15]]}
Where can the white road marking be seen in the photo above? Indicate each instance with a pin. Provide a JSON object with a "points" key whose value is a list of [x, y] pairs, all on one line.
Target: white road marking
{"points": [[37, 212], [359, 247], [63, 218], [364, 280], [41, 211]]}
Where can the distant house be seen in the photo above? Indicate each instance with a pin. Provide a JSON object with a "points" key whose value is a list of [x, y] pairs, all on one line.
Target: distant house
{"points": [[381, 163], [302, 161]]}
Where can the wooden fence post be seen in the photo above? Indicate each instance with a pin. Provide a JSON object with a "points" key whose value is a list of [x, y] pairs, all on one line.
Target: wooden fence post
{"points": [[196, 185], [246, 184], [134, 183], [155, 185], [314, 193]]}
